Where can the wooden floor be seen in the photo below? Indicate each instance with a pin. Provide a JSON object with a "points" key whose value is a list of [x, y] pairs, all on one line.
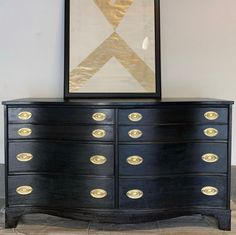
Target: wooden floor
{"points": [[38, 224]]}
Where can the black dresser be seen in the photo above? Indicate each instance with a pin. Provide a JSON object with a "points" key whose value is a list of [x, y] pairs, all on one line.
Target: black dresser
{"points": [[118, 160]]}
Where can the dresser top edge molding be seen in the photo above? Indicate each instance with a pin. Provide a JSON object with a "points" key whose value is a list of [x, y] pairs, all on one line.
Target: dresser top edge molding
{"points": [[124, 101]]}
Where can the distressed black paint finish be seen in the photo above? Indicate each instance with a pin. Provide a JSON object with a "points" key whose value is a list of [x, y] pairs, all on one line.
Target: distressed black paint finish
{"points": [[171, 175]]}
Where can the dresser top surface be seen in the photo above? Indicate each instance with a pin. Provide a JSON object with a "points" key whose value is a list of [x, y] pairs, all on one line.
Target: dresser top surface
{"points": [[116, 101]]}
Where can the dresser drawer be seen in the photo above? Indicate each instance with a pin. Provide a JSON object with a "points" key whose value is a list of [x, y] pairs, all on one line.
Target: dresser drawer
{"points": [[54, 115], [178, 191], [61, 191], [170, 158], [181, 114], [173, 133], [76, 132], [61, 157]]}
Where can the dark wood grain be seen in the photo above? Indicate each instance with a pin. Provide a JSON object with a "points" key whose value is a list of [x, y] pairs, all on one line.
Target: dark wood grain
{"points": [[171, 192], [61, 157], [170, 158], [61, 191], [174, 115], [171, 175], [120, 216], [172, 133], [123, 103], [61, 115], [62, 132]]}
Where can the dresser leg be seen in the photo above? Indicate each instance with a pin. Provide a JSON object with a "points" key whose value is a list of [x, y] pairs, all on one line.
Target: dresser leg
{"points": [[224, 220], [11, 220]]}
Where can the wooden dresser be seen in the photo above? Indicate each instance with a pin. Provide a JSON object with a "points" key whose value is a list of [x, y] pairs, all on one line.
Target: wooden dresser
{"points": [[118, 160]]}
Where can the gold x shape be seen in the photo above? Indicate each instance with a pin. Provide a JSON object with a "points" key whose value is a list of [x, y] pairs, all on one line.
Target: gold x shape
{"points": [[114, 12], [114, 46]]}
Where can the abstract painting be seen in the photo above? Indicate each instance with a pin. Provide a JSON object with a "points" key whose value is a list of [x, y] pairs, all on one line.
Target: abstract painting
{"points": [[112, 48]]}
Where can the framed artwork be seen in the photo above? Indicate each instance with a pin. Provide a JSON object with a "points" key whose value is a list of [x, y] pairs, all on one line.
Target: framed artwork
{"points": [[112, 48]]}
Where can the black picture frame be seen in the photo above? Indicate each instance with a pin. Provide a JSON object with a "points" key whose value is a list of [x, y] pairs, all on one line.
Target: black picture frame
{"points": [[157, 94]]}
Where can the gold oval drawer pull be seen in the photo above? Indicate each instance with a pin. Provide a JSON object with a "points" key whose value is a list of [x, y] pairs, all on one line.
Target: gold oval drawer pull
{"points": [[135, 160], [211, 132], [99, 133], [135, 133], [99, 117], [98, 160], [134, 194], [24, 115], [211, 115], [135, 117], [98, 193], [209, 191], [24, 190], [24, 132], [24, 157], [210, 157]]}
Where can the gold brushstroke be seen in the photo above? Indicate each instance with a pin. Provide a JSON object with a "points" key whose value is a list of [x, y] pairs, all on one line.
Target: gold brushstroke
{"points": [[134, 64], [90, 66], [114, 12], [114, 46]]}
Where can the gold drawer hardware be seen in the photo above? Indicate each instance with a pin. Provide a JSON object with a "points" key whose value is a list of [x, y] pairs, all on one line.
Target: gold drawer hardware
{"points": [[135, 133], [211, 132], [210, 158], [24, 190], [98, 159], [24, 132], [99, 117], [135, 117], [134, 194], [98, 193], [210, 191], [211, 115], [24, 157], [24, 115], [99, 133], [135, 160]]}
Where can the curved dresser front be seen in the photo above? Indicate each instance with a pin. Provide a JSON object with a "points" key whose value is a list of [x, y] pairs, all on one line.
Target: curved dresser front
{"points": [[118, 161]]}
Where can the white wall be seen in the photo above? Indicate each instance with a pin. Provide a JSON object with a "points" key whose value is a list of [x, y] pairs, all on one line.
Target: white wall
{"points": [[198, 50], [31, 51]]}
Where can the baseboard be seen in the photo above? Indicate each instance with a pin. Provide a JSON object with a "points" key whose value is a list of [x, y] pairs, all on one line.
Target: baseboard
{"points": [[233, 182], [2, 180]]}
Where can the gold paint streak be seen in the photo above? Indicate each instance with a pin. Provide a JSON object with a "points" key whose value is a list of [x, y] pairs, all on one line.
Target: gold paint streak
{"points": [[114, 13], [134, 64], [90, 66], [117, 47]]}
